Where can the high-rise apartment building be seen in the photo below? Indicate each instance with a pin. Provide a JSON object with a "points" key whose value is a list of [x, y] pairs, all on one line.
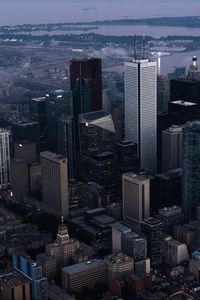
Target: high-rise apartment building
{"points": [[171, 148], [55, 183], [4, 158], [86, 84], [140, 85], [136, 199], [191, 170]]}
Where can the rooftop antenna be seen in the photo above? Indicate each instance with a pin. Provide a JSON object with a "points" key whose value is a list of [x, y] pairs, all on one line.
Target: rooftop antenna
{"points": [[135, 47], [143, 46]]}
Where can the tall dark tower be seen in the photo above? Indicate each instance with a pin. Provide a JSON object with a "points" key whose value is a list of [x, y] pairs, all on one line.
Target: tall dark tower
{"points": [[90, 71]]}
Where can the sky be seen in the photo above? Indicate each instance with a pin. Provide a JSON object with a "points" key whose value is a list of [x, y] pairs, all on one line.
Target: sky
{"points": [[44, 11]]}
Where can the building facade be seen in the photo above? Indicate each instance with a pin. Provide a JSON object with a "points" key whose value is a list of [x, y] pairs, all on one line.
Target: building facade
{"points": [[55, 183], [140, 80], [4, 158]]}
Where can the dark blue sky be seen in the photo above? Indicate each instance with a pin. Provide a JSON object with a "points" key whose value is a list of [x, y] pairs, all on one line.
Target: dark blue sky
{"points": [[36, 11]]}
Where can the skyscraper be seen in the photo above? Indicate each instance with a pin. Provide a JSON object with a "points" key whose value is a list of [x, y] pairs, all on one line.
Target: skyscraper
{"points": [[152, 229], [191, 169], [37, 108], [55, 183], [171, 148], [66, 142], [136, 199], [140, 79], [4, 158], [58, 104], [86, 73]]}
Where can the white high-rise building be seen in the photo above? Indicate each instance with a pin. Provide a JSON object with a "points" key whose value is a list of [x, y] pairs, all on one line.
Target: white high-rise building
{"points": [[4, 158], [140, 83]]}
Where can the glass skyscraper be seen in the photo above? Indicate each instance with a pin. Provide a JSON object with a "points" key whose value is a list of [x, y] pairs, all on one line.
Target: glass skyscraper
{"points": [[191, 169], [4, 158], [140, 84]]}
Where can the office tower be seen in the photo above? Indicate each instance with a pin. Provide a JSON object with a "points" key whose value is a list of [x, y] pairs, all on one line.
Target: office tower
{"points": [[86, 72], [97, 136], [66, 142], [15, 286], [136, 199], [194, 72], [152, 229], [35, 178], [119, 266], [4, 158], [106, 100], [25, 130], [180, 112], [179, 72], [85, 274], [118, 230], [19, 177], [23, 264], [37, 109], [198, 228], [55, 183], [140, 85], [117, 113], [191, 170], [134, 245], [126, 161], [174, 252], [171, 148], [163, 93], [82, 97], [58, 104], [168, 189], [25, 150], [185, 233], [185, 90], [194, 264], [97, 133], [126, 156], [170, 217]]}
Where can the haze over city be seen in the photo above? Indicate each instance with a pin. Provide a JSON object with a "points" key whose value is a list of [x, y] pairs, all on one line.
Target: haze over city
{"points": [[99, 150]]}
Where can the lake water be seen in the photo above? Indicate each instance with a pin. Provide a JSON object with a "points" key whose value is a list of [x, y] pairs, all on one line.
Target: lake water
{"points": [[43, 11]]}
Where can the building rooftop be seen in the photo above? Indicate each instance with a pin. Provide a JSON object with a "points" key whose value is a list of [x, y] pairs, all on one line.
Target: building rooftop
{"points": [[84, 266], [137, 177], [115, 258], [41, 99], [183, 103], [14, 279], [52, 156], [121, 227], [170, 211]]}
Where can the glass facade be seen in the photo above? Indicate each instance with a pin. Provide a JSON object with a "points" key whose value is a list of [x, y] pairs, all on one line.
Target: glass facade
{"points": [[191, 170], [4, 158], [59, 103], [97, 146]]}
